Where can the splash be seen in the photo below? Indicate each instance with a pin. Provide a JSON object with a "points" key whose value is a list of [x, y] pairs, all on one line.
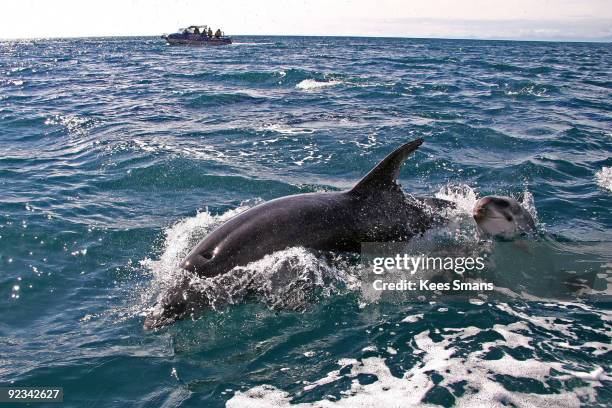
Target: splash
{"points": [[180, 238], [604, 178], [463, 196], [529, 204], [289, 279]]}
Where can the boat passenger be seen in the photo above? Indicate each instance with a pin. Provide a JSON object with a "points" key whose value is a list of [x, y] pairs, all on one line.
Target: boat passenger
{"points": [[197, 30], [210, 32], [218, 33]]}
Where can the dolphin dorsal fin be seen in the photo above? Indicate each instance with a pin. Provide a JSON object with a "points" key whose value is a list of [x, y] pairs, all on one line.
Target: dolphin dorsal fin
{"points": [[383, 176]]}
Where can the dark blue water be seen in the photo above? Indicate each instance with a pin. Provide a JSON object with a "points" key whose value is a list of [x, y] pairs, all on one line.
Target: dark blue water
{"points": [[116, 155]]}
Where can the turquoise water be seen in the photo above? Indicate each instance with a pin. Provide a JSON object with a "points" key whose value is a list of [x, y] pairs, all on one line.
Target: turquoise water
{"points": [[117, 155]]}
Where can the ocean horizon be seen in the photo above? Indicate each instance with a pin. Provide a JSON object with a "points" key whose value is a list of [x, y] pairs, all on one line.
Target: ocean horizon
{"points": [[501, 39]]}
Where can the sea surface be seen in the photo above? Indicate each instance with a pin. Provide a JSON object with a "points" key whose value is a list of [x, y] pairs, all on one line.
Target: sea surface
{"points": [[118, 154]]}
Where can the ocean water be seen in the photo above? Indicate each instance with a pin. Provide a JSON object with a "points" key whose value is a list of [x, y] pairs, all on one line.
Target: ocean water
{"points": [[119, 154]]}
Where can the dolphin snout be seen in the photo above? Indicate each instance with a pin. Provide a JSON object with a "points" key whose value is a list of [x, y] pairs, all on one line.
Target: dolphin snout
{"points": [[164, 314], [480, 209], [157, 320], [178, 302], [174, 305]]}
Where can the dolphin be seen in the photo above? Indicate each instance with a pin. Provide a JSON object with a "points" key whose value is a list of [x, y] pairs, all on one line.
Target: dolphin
{"points": [[374, 210], [504, 217]]}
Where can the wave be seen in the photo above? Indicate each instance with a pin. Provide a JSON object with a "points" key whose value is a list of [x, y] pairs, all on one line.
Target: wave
{"points": [[289, 280], [529, 203], [300, 78], [74, 124], [251, 77], [465, 197], [251, 44], [222, 98], [12, 82], [505, 67], [601, 84]]}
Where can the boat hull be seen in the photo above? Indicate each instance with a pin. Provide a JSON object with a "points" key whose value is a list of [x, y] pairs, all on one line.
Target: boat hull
{"points": [[197, 40]]}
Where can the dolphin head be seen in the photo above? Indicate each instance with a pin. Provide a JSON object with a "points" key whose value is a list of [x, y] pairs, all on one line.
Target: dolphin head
{"points": [[178, 302], [502, 217], [211, 256]]}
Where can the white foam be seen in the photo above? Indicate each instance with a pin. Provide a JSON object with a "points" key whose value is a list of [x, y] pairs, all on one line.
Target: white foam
{"points": [[604, 178], [413, 318], [285, 129], [175, 147], [597, 374], [309, 84], [483, 386], [332, 376], [463, 196], [512, 337]]}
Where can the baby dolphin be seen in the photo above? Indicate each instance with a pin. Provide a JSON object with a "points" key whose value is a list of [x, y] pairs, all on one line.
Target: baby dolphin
{"points": [[375, 210], [503, 217]]}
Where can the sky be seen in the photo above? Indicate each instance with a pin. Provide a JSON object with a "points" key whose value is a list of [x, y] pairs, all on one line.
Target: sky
{"points": [[564, 20]]}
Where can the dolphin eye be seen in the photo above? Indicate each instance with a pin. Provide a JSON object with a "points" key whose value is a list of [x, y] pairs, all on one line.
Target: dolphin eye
{"points": [[509, 218], [502, 203]]}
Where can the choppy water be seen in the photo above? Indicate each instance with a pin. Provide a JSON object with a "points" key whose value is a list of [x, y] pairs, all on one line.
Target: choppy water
{"points": [[116, 155]]}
